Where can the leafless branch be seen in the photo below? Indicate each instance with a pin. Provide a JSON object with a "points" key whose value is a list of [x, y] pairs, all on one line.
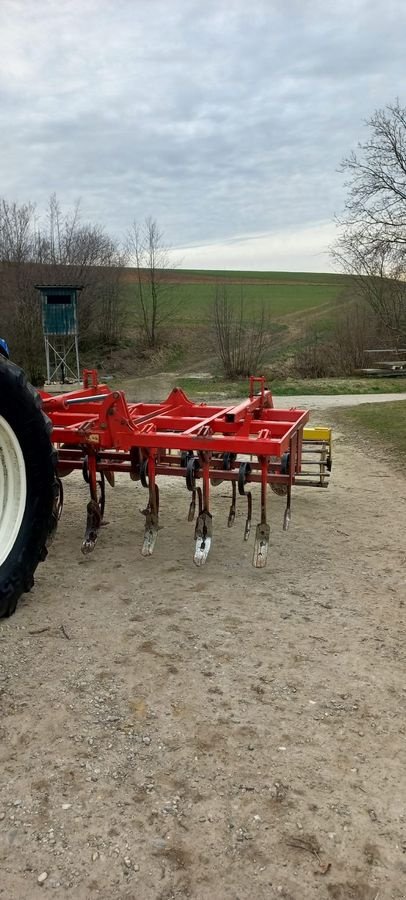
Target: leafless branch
{"points": [[241, 340], [154, 297], [371, 245]]}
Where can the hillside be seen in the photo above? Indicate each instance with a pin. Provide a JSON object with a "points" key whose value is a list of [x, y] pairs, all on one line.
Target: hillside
{"points": [[294, 302], [285, 292]]}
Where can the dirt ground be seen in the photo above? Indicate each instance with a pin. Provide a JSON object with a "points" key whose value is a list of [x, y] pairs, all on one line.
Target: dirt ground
{"points": [[216, 734]]}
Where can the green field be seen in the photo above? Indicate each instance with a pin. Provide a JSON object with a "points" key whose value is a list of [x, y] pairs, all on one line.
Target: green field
{"points": [[196, 300], [295, 303], [191, 293]]}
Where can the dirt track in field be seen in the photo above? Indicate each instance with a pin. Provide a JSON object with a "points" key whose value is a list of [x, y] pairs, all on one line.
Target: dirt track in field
{"points": [[215, 734]]}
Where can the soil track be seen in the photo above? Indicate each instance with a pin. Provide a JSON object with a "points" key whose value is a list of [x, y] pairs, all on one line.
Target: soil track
{"points": [[215, 734]]}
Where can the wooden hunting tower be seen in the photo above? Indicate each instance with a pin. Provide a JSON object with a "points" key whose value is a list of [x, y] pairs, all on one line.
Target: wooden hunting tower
{"points": [[60, 327]]}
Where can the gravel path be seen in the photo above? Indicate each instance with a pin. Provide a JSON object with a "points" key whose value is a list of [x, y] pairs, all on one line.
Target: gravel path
{"points": [[217, 734]]}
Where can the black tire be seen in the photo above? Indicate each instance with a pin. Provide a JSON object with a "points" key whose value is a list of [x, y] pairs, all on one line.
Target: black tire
{"points": [[20, 407]]}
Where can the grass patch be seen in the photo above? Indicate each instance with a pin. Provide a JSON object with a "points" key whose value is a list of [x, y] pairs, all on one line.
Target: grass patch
{"points": [[212, 387], [385, 422], [333, 386], [203, 388]]}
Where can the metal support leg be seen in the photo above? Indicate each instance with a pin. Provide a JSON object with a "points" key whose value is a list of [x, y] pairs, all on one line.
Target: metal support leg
{"points": [[292, 461], [231, 515], [244, 471], [286, 517], [196, 492]]}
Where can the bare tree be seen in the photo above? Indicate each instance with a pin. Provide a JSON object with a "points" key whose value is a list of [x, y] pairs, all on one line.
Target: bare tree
{"points": [[64, 240], [378, 275], [16, 232], [340, 350], [57, 248], [154, 296], [20, 315], [241, 340], [111, 312], [372, 231]]}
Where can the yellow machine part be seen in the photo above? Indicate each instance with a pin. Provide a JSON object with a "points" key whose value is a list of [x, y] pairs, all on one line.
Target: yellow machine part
{"points": [[317, 452], [319, 435]]}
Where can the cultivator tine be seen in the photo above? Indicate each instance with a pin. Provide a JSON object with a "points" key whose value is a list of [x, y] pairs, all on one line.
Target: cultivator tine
{"points": [[57, 509], [247, 529], [96, 505], [204, 523], [261, 546], [151, 513], [199, 501], [231, 515], [287, 513], [150, 531], [59, 500], [262, 533], [93, 523], [192, 465], [244, 471], [192, 508], [285, 470], [101, 498], [203, 537]]}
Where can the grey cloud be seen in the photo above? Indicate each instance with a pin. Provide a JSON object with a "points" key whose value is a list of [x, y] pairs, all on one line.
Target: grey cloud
{"points": [[219, 119]]}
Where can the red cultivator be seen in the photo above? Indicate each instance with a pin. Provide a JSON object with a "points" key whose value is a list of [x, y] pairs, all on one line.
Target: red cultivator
{"points": [[97, 431]]}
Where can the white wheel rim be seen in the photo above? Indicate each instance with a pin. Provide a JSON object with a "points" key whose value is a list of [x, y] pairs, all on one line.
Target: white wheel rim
{"points": [[13, 489]]}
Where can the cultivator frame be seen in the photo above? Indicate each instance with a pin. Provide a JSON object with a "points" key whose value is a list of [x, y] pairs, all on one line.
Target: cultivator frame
{"points": [[96, 430]]}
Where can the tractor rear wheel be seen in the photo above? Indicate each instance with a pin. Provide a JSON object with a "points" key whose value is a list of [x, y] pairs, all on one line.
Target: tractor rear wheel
{"points": [[28, 485]]}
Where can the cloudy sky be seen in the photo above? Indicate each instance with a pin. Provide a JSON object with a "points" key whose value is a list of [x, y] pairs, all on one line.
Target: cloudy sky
{"points": [[226, 121]]}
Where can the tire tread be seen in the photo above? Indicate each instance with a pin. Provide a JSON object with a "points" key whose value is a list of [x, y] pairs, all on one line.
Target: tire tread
{"points": [[17, 576]]}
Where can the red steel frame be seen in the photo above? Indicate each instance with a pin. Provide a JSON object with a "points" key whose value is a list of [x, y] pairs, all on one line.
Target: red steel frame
{"points": [[98, 429]]}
